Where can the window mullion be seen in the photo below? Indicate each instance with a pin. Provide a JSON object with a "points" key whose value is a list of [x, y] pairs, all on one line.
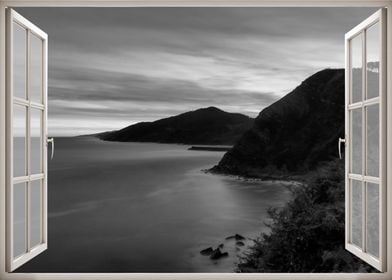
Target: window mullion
{"points": [[364, 143], [28, 134]]}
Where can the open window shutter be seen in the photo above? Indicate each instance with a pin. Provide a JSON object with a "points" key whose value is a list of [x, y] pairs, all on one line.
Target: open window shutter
{"points": [[26, 141], [366, 140]]}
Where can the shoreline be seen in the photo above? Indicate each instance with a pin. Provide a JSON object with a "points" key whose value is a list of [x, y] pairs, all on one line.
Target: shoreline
{"points": [[284, 180]]}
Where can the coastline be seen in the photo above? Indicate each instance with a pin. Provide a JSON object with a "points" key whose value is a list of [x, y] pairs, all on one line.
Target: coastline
{"points": [[288, 180]]}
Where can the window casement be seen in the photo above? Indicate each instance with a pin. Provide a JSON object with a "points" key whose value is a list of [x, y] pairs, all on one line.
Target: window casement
{"points": [[26, 140], [365, 117]]}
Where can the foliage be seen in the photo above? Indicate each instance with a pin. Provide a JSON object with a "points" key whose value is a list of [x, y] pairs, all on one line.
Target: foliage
{"points": [[307, 235]]}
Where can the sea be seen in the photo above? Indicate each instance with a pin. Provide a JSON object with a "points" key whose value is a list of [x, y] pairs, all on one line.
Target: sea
{"points": [[148, 208]]}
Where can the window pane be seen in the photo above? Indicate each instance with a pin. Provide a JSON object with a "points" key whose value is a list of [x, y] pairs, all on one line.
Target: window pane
{"points": [[373, 136], [356, 141], [36, 143], [356, 69], [356, 213], [19, 61], [19, 150], [373, 60], [372, 225], [19, 219], [35, 208], [36, 69]]}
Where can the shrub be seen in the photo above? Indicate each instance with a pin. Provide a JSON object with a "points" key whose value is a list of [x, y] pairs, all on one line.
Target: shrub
{"points": [[307, 235]]}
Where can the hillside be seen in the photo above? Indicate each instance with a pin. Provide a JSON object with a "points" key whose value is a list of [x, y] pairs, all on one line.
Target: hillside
{"points": [[311, 224], [206, 126], [295, 134]]}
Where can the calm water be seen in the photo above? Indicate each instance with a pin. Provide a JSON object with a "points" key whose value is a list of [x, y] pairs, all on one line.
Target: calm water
{"points": [[133, 207]]}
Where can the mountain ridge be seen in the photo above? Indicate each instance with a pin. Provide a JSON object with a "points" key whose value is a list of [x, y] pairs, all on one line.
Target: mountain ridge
{"points": [[207, 126], [295, 134]]}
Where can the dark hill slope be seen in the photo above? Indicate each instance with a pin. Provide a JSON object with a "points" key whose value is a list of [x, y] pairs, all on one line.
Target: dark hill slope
{"points": [[207, 126], [294, 134]]}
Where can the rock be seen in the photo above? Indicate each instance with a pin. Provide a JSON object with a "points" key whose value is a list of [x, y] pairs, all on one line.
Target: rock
{"points": [[217, 254], [236, 237], [220, 245], [240, 243], [239, 237], [206, 252]]}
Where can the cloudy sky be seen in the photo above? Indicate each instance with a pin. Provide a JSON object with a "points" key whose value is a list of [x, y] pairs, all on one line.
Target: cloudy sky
{"points": [[111, 67]]}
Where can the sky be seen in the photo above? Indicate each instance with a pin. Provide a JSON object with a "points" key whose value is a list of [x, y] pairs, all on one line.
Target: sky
{"points": [[113, 67]]}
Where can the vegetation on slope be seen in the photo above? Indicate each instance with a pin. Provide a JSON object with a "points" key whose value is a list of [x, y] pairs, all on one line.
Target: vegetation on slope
{"points": [[294, 135], [307, 235]]}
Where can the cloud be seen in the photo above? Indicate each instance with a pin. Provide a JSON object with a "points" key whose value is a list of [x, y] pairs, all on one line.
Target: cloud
{"points": [[124, 98], [109, 67]]}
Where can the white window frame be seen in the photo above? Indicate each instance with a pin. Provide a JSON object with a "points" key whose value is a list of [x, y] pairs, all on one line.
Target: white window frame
{"points": [[379, 263], [192, 3], [31, 252]]}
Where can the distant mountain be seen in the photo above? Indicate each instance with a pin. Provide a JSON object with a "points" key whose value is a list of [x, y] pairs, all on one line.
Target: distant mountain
{"points": [[294, 134], [206, 126]]}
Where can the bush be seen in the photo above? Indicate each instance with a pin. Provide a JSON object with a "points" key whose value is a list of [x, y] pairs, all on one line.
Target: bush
{"points": [[307, 235]]}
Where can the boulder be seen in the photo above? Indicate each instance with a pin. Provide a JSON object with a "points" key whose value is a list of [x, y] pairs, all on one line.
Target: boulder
{"points": [[217, 254], [236, 237], [206, 252]]}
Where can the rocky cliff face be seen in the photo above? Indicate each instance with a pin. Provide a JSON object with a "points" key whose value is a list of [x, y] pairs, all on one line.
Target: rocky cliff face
{"points": [[207, 126], [294, 134]]}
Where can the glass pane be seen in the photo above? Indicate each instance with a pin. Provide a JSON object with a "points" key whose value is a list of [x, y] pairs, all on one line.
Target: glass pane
{"points": [[373, 218], [19, 61], [36, 69], [356, 68], [19, 150], [36, 143], [356, 213], [19, 219], [373, 136], [356, 141], [35, 208], [373, 60]]}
